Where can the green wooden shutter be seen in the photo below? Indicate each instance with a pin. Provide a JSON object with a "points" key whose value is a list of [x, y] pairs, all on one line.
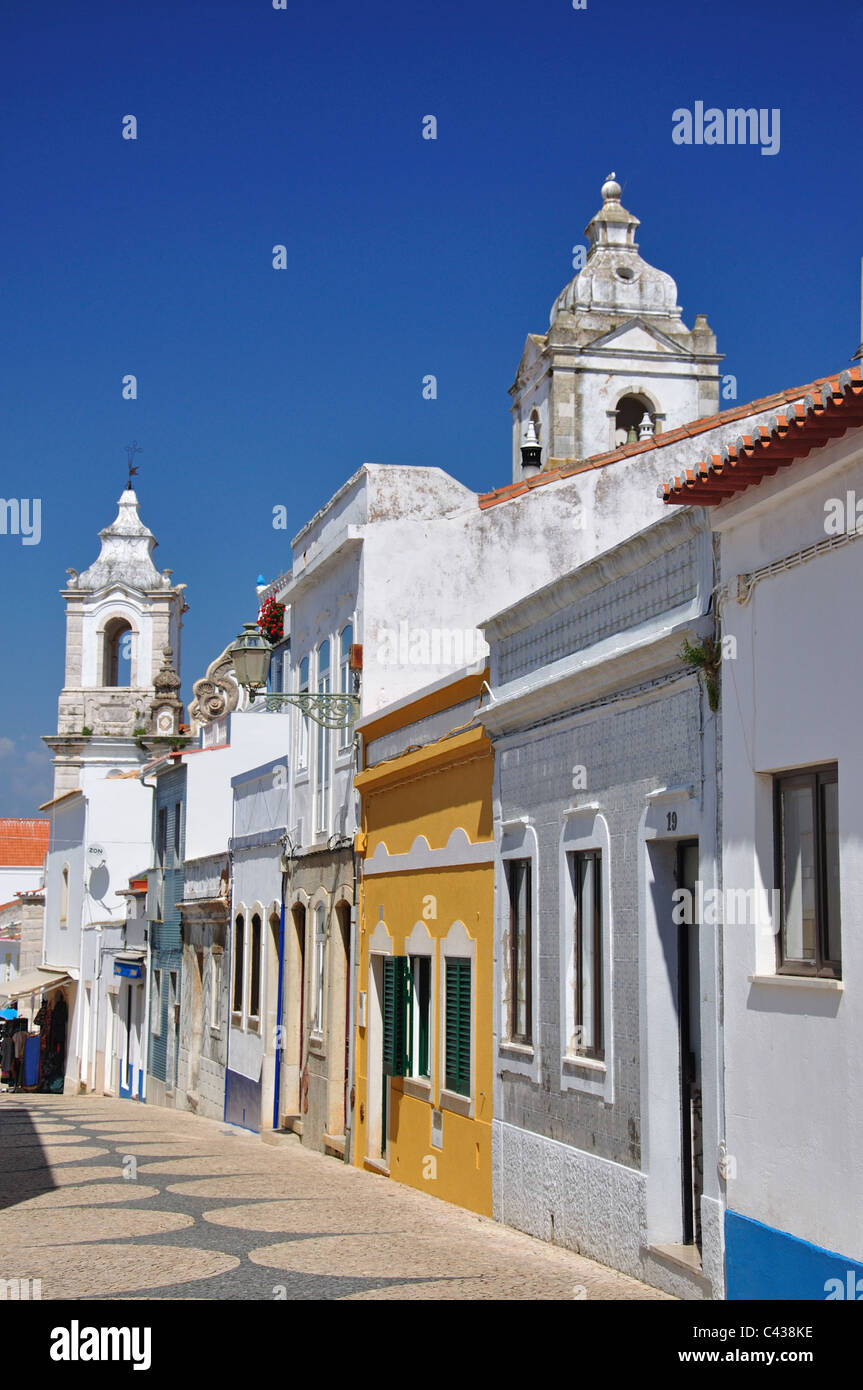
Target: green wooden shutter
{"points": [[457, 1069], [396, 1012]]}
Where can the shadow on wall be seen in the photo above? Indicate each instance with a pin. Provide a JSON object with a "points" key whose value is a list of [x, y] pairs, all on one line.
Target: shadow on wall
{"points": [[100, 882]]}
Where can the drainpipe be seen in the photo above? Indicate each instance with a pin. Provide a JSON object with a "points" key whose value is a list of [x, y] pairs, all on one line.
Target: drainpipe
{"points": [[229, 952], [145, 1021], [354, 980], [277, 1086]]}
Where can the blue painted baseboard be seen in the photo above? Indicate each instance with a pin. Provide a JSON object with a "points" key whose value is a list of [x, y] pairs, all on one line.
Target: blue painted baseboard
{"points": [[242, 1101], [762, 1262]]}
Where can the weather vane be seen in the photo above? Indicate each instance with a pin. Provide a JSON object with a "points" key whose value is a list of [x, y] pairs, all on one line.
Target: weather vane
{"points": [[131, 450]]}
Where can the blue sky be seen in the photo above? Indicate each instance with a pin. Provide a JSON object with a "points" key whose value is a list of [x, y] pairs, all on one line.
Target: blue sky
{"points": [[406, 256]]}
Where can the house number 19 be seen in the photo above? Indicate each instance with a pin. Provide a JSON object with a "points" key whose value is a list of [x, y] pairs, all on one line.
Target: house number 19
{"points": [[671, 820]]}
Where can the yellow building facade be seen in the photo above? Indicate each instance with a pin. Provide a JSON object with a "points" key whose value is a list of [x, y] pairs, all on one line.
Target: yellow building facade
{"points": [[423, 1047]]}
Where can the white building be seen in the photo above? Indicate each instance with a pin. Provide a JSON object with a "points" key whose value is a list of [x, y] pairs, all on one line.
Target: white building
{"points": [[229, 744], [784, 504], [123, 618]]}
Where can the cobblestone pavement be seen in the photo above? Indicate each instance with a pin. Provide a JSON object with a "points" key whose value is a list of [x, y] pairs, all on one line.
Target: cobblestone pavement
{"points": [[105, 1198]]}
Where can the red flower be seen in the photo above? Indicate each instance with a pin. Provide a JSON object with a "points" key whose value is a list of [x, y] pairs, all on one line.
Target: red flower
{"points": [[271, 620]]}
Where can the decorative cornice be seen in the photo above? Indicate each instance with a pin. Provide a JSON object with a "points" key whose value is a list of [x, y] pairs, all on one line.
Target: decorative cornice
{"points": [[458, 852], [216, 693], [561, 687], [573, 588]]}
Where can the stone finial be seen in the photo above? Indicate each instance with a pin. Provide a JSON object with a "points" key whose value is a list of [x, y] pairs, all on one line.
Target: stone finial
{"points": [[611, 189], [167, 680], [166, 706]]}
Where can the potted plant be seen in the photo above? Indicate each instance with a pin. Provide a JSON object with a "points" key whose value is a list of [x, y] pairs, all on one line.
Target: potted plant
{"points": [[271, 620]]}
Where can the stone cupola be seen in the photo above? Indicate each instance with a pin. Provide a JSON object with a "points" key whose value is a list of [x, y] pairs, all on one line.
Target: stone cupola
{"points": [[617, 363], [121, 614]]}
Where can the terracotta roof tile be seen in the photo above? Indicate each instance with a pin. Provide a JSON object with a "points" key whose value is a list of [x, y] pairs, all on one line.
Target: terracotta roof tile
{"points": [[827, 409], [659, 441], [23, 842]]}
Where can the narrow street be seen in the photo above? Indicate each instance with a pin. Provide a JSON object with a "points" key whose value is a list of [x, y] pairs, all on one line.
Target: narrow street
{"points": [[110, 1199]]}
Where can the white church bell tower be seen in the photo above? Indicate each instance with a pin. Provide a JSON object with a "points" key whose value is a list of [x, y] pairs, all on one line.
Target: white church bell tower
{"points": [[618, 364], [121, 615]]}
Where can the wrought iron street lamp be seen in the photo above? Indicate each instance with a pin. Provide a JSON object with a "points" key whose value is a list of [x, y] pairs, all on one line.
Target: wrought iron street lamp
{"points": [[251, 654]]}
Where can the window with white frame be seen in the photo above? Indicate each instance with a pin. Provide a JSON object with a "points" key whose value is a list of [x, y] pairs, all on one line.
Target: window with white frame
{"points": [[303, 688], [324, 745], [156, 1004], [345, 677], [215, 988], [456, 1040], [585, 874], [239, 963], [517, 893], [64, 895], [319, 966], [421, 985], [520, 896], [255, 939], [586, 957], [809, 940]]}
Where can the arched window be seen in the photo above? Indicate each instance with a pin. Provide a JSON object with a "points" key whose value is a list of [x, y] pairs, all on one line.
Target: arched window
{"points": [[345, 644], [536, 422], [345, 677], [64, 895], [255, 969], [239, 930], [117, 653], [634, 419], [303, 739], [324, 756], [319, 964]]}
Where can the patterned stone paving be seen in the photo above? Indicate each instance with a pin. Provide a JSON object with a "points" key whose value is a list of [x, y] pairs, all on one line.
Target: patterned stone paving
{"points": [[104, 1198]]}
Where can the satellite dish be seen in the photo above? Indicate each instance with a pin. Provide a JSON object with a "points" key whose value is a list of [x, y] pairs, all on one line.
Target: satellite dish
{"points": [[95, 856]]}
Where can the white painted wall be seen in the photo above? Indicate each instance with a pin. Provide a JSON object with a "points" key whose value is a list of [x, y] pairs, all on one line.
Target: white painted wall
{"points": [[62, 945], [16, 879], [793, 1061], [255, 738]]}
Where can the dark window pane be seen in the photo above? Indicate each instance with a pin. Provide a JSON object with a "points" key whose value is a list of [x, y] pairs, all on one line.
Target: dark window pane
{"points": [[238, 967], [255, 968], [832, 935], [520, 908], [798, 874], [585, 876], [421, 974]]}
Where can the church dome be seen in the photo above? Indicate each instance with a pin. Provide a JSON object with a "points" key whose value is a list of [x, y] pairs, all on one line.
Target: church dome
{"points": [[615, 279], [126, 554]]}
